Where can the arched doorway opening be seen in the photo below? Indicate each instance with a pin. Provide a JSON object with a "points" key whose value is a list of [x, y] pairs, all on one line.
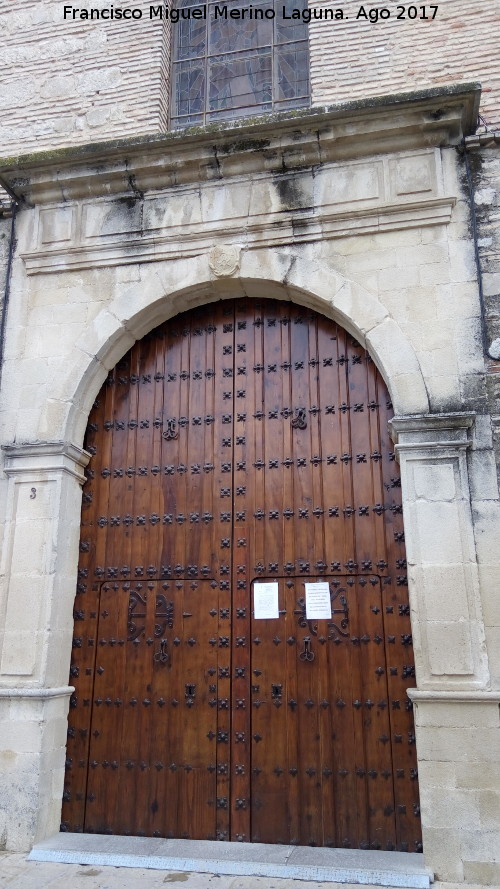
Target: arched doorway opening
{"points": [[242, 640]]}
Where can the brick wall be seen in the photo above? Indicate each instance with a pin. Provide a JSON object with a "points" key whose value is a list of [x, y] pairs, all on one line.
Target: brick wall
{"points": [[352, 59], [70, 82]]}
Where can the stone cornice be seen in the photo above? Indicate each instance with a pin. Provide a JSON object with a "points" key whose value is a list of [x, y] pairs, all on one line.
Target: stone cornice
{"points": [[36, 692], [276, 144], [33, 459], [443, 696], [274, 230], [445, 430]]}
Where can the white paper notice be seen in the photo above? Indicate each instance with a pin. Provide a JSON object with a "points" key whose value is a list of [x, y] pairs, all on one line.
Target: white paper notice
{"points": [[265, 600], [318, 602]]}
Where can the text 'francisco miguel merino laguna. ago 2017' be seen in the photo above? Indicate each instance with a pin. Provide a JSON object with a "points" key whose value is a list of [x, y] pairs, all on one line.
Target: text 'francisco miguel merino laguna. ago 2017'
{"points": [[226, 11]]}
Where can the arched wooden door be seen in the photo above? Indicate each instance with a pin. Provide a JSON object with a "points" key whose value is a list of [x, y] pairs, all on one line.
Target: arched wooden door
{"points": [[240, 444]]}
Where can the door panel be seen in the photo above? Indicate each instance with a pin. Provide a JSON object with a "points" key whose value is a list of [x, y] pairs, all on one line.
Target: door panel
{"points": [[242, 441], [319, 721]]}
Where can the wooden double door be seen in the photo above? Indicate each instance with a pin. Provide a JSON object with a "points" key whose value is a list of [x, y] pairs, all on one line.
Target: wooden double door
{"points": [[243, 443]]}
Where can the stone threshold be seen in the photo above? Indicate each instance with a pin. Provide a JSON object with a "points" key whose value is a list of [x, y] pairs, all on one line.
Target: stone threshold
{"points": [[367, 868]]}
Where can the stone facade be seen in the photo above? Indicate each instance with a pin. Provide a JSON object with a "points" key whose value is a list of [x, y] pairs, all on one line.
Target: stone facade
{"points": [[362, 212], [5, 239], [483, 155]]}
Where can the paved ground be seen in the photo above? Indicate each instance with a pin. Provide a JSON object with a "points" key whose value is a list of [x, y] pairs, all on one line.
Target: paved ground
{"points": [[17, 873]]}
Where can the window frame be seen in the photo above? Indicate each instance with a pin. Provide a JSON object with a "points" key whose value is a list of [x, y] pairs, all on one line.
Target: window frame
{"points": [[277, 50]]}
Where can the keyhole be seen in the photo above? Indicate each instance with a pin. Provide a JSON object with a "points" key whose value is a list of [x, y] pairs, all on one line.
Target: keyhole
{"points": [[277, 690], [190, 690]]}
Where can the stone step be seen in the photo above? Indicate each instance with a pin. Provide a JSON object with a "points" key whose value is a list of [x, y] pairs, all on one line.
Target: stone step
{"points": [[367, 868]]}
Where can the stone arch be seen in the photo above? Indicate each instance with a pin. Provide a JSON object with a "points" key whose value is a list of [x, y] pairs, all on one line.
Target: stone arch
{"points": [[176, 287]]}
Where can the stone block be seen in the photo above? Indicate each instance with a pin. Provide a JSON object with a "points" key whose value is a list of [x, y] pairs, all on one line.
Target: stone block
{"points": [[457, 714], [350, 184], [15, 340], [493, 648], [408, 393], [439, 361], [435, 774], [439, 531], [449, 648], [482, 873], [480, 776], [444, 392], [435, 481], [51, 339], [67, 315], [490, 594], [422, 302], [104, 338], [454, 809], [443, 852], [99, 116], [486, 517], [397, 239], [396, 279], [462, 261], [458, 300], [56, 224], [489, 808], [470, 745], [413, 174], [481, 845], [372, 261], [435, 273], [99, 79], [482, 433], [423, 255], [21, 737], [483, 475], [444, 592], [183, 208], [491, 283], [351, 302], [394, 352]]}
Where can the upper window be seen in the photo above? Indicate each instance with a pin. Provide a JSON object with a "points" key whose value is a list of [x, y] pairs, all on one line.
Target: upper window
{"points": [[226, 66]]}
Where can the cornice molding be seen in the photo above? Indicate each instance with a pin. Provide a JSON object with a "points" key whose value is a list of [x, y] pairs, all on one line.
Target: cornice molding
{"points": [[41, 457], [132, 247], [448, 431], [279, 143], [419, 696], [36, 692]]}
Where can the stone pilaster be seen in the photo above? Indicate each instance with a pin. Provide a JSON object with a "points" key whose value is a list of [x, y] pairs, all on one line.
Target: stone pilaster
{"points": [[443, 574], [39, 570], [456, 714]]}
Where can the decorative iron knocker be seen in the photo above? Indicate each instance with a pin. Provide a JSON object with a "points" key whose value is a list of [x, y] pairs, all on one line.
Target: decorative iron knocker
{"points": [[299, 421], [308, 653], [161, 656], [171, 430]]}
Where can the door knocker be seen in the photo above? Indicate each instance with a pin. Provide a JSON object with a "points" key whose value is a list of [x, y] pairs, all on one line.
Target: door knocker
{"points": [[171, 431], [299, 421], [161, 656], [308, 653]]}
